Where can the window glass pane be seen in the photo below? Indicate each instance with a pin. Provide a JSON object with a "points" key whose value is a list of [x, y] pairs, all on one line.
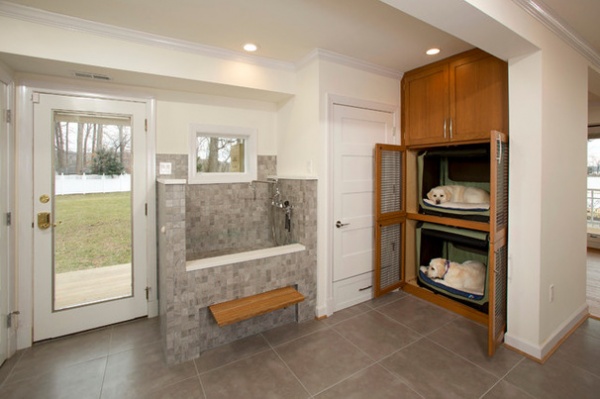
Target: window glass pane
{"points": [[215, 154], [593, 184]]}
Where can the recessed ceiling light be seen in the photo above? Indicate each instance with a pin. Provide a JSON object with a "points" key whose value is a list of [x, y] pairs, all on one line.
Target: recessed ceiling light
{"points": [[433, 51], [250, 47]]}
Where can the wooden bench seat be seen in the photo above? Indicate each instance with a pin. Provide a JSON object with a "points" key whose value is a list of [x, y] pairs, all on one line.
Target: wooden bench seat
{"points": [[245, 308]]}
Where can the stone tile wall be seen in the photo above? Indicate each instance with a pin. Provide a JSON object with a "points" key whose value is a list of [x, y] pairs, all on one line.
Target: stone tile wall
{"points": [[179, 165], [187, 325], [228, 218]]}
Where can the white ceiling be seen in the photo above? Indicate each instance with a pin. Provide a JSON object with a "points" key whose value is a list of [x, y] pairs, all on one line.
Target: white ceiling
{"points": [[288, 30]]}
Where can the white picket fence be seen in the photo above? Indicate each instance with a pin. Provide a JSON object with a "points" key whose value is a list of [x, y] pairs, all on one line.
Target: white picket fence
{"points": [[91, 184]]}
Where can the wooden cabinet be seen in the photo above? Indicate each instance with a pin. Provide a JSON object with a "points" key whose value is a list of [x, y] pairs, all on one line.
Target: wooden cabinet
{"points": [[456, 100], [397, 216]]}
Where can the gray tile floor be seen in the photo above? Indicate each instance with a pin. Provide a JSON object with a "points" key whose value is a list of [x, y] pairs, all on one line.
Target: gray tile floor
{"points": [[393, 347]]}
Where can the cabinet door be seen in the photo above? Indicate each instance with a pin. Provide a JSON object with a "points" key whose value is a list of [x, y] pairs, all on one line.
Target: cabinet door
{"points": [[498, 186], [478, 97], [497, 295], [425, 106], [498, 262], [390, 217]]}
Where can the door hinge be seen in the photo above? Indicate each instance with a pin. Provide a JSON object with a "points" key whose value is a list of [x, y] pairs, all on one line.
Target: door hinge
{"points": [[8, 218], [146, 209], [148, 293], [146, 125], [35, 98], [9, 318], [8, 116]]}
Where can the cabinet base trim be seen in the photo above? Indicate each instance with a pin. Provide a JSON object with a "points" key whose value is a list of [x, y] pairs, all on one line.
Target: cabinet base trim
{"points": [[447, 303]]}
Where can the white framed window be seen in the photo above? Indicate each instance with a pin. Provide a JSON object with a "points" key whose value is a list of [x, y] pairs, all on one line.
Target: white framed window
{"points": [[221, 154]]}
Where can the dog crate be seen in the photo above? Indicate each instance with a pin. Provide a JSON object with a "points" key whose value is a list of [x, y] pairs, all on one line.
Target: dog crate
{"points": [[457, 245], [467, 165]]}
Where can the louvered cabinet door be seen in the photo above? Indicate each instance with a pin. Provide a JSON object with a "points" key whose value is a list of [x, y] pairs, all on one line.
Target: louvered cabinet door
{"points": [[390, 218], [498, 240]]}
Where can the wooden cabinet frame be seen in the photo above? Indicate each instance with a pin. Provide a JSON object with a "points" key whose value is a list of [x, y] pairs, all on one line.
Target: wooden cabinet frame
{"points": [[397, 218]]}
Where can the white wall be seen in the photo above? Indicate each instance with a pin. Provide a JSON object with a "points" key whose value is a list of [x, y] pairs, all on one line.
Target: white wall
{"points": [[564, 151], [298, 127], [304, 139], [77, 47], [174, 118], [350, 86], [547, 238]]}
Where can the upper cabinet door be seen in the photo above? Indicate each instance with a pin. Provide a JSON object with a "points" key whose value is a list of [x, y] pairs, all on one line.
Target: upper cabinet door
{"points": [[457, 100], [425, 107], [478, 97]]}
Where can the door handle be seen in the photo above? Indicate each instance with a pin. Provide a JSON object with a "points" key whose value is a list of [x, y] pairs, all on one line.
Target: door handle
{"points": [[339, 224], [43, 220]]}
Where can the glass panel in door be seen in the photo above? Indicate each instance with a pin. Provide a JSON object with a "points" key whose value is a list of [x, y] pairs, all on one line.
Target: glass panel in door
{"points": [[92, 209]]}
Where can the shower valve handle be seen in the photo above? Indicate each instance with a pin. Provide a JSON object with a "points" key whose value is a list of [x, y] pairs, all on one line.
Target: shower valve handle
{"points": [[339, 224]]}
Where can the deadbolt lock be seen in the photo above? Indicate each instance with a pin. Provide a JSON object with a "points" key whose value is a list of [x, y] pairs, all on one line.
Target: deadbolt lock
{"points": [[43, 220], [44, 199]]}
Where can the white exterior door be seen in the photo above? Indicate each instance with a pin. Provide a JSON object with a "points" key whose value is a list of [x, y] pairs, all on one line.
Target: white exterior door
{"points": [[4, 227], [355, 133], [89, 235]]}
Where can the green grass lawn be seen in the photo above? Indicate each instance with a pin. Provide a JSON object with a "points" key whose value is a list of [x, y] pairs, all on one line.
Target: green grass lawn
{"points": [[94, 231]]}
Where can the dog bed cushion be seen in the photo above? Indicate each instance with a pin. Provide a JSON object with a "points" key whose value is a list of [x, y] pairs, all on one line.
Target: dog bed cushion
{"points": [[433, 170], [450, 290], [482, 206]]}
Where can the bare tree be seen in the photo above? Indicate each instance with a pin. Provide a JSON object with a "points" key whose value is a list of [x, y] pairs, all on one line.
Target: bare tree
{"points": [[79, 153], [213, 155]]}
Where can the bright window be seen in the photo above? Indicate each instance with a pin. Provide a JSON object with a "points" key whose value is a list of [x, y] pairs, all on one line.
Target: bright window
{"points": [[593, 183], [222, 154]]}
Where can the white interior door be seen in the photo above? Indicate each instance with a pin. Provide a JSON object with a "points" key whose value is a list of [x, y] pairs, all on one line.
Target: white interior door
{"points": [[4, 227], [89, 227], [356, 131]]}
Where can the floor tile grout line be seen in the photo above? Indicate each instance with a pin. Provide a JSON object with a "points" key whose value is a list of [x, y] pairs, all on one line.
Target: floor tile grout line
{"points": [[503, 378], [420, 334], [201, 373], [346, 378], [287, 366], [12, 370], [462, 357], [398, 376], [419, 338], [110, 339], [325, 326], [103, 377], [199, 379]]}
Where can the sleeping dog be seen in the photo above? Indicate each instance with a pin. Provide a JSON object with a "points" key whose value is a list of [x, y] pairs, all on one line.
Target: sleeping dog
{"points": [[464, 194], [468, 276]]}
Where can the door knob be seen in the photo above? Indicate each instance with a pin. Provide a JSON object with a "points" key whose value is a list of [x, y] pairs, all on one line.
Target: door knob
{"points": [[339, 224]]}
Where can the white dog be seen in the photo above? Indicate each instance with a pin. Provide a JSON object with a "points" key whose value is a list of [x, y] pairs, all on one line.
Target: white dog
{"points": [[464, 194], [468, 276]]}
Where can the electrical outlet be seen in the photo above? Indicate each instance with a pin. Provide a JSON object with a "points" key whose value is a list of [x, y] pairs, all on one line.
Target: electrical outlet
{"points": [[551, 293], [164, 168]]}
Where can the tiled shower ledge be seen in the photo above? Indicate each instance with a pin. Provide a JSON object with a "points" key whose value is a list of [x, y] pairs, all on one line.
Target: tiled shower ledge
{"points": [[204, 263]]}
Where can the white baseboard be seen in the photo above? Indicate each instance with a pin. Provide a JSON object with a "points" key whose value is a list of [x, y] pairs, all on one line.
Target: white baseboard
{"points": [[540, 351], [326, 309], [593, 240]]}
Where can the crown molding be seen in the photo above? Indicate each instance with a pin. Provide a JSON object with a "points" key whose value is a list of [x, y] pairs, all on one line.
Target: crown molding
{"points": [[326, 55], [561, 28], [48, 18]]}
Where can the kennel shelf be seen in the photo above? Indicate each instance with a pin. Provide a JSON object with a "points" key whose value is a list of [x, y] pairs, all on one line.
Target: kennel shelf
{"points": [[447, 221]]}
